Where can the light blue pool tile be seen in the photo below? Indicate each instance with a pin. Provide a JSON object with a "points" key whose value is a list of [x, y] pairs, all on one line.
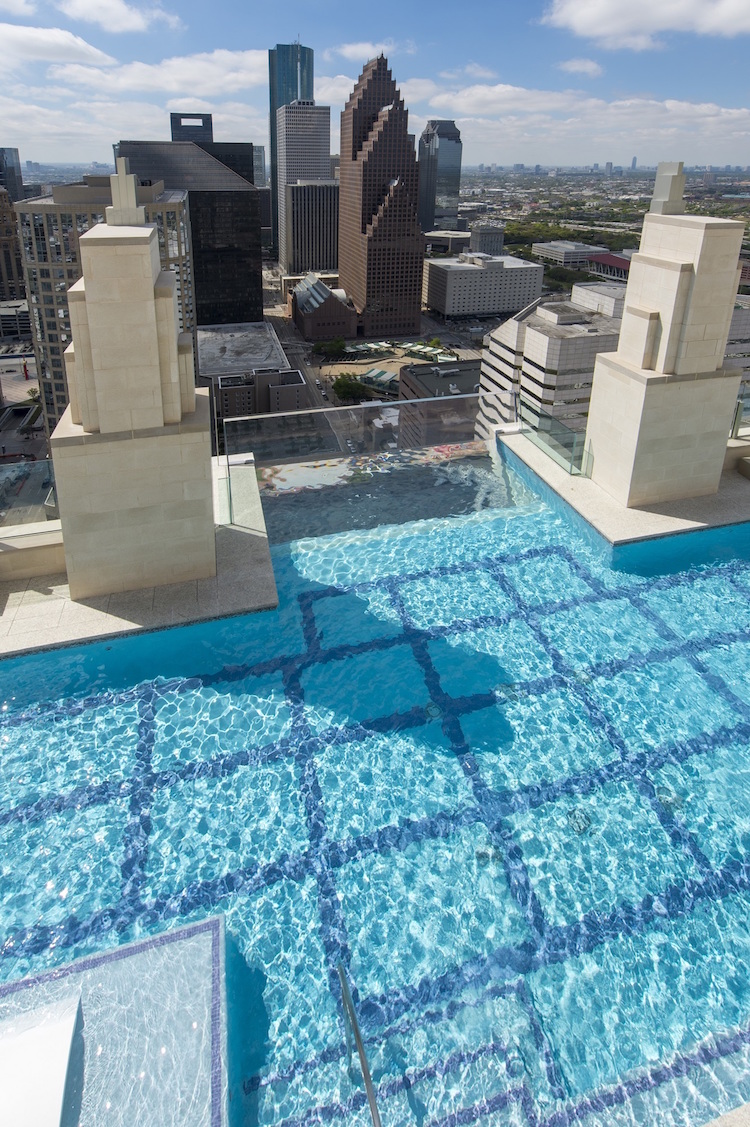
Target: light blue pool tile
{"points": [[217, 720], [732, 664], [427, 909], [647, 996], [351, 618], [604, 631], [707, 605], [207, 827], [545, 579], [443, 600], [69, 864], [661, 704], [533, 739], [363, 687], [593, 853], [46, 756], [478, 1045], [710, 794], [384, 780], [278, 934], [480, 660]]}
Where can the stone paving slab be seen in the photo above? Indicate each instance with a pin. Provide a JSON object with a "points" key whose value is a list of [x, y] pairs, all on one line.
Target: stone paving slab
{"points": [[37, 614]]}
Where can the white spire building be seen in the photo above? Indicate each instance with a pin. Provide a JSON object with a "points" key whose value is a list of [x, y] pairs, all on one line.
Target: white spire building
{"points": [[132, 452], [662, 405]]}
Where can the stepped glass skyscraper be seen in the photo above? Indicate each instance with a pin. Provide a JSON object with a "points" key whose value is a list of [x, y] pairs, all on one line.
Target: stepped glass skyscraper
{"points": [[381, 247], [440, 151], [290, 79]]}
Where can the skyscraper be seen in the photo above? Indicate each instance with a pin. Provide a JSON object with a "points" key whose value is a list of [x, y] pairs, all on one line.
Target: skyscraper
{"points": [[259, 166], [51, 228], [192, 126], [303, 140], [381, 247], [10, 174], [440, 151], [290, 79]]}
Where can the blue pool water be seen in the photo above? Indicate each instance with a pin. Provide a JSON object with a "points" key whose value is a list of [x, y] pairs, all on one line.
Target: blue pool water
{"points": [[505, 783]]}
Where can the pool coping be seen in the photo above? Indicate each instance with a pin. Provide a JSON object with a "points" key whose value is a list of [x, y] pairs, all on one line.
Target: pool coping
{"points": [[38, 614], [620, 525]]}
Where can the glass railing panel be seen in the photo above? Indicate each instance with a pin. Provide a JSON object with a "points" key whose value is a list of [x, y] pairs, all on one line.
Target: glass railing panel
{"points": [[27, 493], [562, 443], [353, 468]]}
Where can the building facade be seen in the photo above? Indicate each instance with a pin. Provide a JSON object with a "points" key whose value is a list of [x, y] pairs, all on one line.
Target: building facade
{"points": [[290, 79], [310, 235], [321, 313], [12, 286], [487, 239], [475, 285], [440, 152], [224, 211], [303, 142], [381, 246], [191, 126], [541, 362], [10, 174], [51, 228], [259, 166], [568, 254]]}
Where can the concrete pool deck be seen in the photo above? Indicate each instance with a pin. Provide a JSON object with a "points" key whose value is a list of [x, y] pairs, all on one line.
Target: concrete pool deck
{"points": [[39, 614], [618, 525]]}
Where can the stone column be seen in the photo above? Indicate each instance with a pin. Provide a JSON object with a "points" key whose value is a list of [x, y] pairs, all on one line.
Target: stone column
{"points": [[662, 405], [132, 453]]}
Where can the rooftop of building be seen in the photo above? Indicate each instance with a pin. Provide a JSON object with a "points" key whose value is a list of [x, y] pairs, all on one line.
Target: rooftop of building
{"points": [[224, 349], [440, 379], [479, 261], [565, 320], [97, 190], [181, 164], [312, 292]]}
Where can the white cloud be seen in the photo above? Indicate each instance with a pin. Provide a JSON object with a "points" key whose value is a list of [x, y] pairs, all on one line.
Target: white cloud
{"points": [[363, 51], [205, 75], [333, 91], [581, 66], [116, 15], [474, 70], [18, 7], [418, 90], [471, 70], [46, 44], [637, 23]]}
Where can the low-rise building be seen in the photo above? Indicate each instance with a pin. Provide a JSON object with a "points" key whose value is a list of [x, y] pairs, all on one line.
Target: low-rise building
{"points": [[433, 424], [487, 239], [475, 285], [565, 253], [321, 313], [15, 323]]}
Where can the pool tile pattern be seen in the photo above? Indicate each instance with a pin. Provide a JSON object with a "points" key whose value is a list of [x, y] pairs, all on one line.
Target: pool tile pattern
{"points": [[463, 1022]]}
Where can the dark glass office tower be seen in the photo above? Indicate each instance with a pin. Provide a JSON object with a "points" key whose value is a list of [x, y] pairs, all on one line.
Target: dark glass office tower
{"points": [[439, 176], [290, 79], [381, 248], [10, 174]]}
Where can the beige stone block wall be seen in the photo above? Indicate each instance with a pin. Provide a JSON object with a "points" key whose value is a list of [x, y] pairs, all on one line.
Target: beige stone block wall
{"points": [[653, 439], [136, 511], [615, 415]]}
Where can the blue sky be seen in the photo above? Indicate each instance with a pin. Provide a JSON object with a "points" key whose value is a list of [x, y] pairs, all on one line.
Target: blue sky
{"points": [[547, 81]]}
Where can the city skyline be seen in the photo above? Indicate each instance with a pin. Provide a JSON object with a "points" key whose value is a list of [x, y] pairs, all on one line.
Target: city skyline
{"points": [[547, 81]]}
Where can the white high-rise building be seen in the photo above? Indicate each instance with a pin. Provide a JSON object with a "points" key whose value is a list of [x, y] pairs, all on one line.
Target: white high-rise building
{"points": [[303, 139]]}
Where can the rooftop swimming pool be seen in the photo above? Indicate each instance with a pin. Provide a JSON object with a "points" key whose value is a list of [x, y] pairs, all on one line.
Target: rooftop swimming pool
{"points": [[503, 782]]}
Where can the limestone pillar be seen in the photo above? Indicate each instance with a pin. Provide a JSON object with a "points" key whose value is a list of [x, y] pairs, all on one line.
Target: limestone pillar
{"points": [[132, 452], [662, 405]]}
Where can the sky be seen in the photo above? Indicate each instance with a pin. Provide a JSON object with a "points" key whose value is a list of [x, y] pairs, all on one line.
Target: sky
{"points": [[554, 82]]}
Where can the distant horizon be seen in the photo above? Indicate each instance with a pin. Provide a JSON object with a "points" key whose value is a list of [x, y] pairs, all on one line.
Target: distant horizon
{"points": [[584, 83]]}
